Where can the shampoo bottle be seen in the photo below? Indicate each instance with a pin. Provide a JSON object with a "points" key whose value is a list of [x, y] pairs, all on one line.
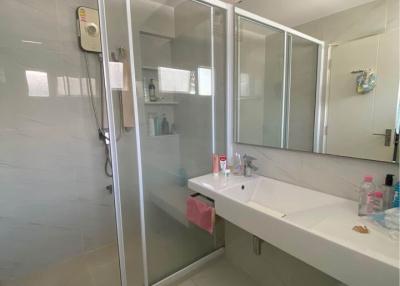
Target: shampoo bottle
{"points": [[151, 123], [157, 125], [164, 126], [152, 91]]}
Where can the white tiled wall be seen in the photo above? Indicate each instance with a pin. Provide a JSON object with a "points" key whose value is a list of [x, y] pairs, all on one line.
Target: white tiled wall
{"points": [[334, 175], [53, 202]]}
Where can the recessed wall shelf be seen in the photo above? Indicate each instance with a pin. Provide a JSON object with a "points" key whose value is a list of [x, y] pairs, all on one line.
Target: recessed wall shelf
{"points": [[150, 68], [164, 136], [161, 103]]}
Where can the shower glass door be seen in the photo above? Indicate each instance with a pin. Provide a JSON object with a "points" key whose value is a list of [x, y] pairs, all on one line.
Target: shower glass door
{"points": [[179, 49]]}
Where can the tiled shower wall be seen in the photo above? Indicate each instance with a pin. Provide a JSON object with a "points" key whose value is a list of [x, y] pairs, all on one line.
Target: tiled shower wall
{"points": [[53, 202]]}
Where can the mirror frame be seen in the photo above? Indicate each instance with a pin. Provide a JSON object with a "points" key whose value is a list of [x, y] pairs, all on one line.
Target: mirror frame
{"points": [[320, 102]]}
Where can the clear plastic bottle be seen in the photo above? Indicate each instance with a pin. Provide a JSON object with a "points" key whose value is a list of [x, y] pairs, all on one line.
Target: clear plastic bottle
{"points": [[157, 125], [237, 164], [366, 196], [378, 201], [396, 197]]}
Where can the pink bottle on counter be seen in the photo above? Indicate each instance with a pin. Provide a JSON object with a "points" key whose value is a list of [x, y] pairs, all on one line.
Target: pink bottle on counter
{"points": [[215, 164]]}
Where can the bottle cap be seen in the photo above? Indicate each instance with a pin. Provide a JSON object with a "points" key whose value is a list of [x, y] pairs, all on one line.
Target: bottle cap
{"points": [[389, 180], [368, 179]]}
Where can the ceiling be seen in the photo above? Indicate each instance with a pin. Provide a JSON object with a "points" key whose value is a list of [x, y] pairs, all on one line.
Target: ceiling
{"points": [[288, 12], [293, 12]]}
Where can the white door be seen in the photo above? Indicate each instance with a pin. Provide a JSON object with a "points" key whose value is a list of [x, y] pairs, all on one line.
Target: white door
{"points": [[355, 120]]}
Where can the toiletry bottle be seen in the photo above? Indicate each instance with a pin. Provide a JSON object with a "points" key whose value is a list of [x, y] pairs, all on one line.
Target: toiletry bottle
{"points": [[387, 190], [152, 90], [173, 128], [152, 130], [237, 164], [157, 125], [222, 163], [164, 125], [396, 197], [146, 91], [366, 194], [215, 164], [378, 202]]}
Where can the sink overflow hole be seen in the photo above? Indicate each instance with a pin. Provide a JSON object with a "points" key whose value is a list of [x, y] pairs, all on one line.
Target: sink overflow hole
{"points": [[242, 187]]}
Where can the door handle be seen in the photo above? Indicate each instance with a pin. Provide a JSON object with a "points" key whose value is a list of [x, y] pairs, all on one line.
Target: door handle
{"points": [[387, 135], [396, 146]]}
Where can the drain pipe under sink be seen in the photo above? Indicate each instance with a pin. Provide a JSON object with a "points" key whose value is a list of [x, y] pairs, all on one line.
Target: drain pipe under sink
{"points": [[257, 245]]}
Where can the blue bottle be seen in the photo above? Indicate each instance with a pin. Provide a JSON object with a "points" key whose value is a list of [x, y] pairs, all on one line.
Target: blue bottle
{"points": [[157, 125], [396, 197]]}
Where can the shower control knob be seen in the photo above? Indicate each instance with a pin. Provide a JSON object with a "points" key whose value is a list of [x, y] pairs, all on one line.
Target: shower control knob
{"points": [[92, 29]]}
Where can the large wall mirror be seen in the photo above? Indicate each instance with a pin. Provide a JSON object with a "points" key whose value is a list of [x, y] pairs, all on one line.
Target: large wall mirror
{"points": [[329, 85]]}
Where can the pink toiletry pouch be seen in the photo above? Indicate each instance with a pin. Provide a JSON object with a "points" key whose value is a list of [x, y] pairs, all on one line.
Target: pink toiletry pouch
{"points": [[200, 213]]}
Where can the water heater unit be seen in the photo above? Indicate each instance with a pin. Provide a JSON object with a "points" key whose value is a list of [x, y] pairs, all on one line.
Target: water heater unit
{"points": [[89, 29]]}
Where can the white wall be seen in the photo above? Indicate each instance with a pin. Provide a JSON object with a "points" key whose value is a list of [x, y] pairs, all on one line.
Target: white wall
{"points": [[53, 202]]}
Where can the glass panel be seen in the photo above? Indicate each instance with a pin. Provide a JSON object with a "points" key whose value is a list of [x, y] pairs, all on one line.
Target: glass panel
{"points": [[123, 110], [57, 224], [173, 57], [260, 56], [302, 91]]}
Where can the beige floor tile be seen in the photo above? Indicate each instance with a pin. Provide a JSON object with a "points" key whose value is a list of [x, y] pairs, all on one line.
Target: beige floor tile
{"points": [[218, 273]]}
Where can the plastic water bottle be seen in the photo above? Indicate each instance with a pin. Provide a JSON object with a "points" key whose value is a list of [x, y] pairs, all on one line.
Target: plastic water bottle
{"points": [[396, 197], [366, 196]]}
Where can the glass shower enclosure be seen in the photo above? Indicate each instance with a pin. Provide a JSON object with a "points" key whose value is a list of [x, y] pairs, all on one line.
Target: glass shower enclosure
{"points": [[179, 51]]}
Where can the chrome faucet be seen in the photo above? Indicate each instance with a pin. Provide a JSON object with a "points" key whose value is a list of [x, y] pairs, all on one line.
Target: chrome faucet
{"points": [[248, 166]]}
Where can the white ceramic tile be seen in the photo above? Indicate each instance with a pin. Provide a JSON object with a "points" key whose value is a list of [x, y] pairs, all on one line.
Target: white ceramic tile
{"points": [[334, 175], [52, 202], [219, 272]]}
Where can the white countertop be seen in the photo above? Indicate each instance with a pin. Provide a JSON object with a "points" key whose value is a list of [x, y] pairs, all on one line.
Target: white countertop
{"points": [[310, 225]]}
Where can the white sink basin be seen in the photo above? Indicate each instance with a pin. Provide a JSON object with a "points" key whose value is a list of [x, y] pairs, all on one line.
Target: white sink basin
{"points": [[310, 225], [277, 198]]}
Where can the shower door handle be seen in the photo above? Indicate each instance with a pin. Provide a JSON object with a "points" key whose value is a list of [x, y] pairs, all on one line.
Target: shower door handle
{"points": [[387, 135]]}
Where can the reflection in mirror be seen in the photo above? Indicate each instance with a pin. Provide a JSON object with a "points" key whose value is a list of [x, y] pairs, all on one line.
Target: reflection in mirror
{"points": [[361, 116], [301, 94], [339, 98], [38, 85], [260, 58]]}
